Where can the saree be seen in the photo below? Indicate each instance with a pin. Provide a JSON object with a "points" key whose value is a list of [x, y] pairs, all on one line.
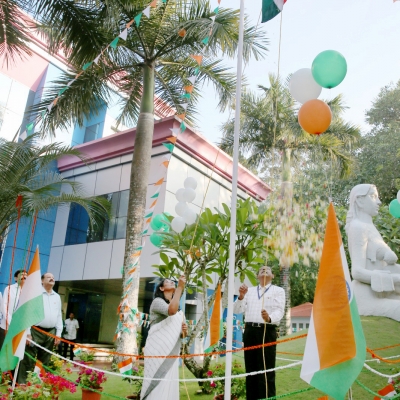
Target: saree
{"points": [[163, 340]]}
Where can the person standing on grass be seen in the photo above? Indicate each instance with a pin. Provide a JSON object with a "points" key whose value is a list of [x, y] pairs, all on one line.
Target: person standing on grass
{"points": [[71, 327], [263, 307]]}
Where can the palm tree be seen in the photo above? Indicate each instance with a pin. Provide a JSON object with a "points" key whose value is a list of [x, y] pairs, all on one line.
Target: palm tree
{"points": [[154, 60], [269, 128], [27, 173]]}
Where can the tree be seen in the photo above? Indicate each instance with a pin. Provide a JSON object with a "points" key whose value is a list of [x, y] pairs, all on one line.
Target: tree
{"points": [[202, 250], [269, 126], [154, 60], [28, 173]]}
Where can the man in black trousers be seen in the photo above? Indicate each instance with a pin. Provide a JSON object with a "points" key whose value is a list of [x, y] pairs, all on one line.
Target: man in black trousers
{"points": [[264, 307]]}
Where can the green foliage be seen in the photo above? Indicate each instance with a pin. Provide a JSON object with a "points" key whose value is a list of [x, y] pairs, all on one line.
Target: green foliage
{"points": [[86, 355]]}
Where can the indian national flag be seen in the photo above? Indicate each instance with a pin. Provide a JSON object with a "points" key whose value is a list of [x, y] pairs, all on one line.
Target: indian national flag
{"points": [[387, 391], [38, 370], [215, 327], [125, 366], [29, 312], [335, 349], [77, 351], [271, 8]]}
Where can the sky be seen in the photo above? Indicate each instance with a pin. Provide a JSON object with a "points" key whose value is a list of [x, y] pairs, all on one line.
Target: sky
{"points": [[365, 32]]}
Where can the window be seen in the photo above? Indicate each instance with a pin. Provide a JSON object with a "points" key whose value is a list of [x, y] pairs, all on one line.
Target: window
{"points": [[307, 326], [300, 326], [91, 133], [294, 327], [79, 230]]}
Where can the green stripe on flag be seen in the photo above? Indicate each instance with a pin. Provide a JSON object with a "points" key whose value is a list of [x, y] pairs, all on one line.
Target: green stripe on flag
{"points": [[269, 10], [169, 146]]}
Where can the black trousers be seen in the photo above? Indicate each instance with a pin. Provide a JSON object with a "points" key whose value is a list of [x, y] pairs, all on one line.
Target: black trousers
{"points": [[71, 349], [27, 364], [256, 387]]}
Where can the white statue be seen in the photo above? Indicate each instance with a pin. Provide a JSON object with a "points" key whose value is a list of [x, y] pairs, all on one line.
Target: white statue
{"points": [[376, 276]]}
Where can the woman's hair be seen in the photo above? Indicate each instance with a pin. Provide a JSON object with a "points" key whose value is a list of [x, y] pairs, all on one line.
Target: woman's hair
{"points": [[158, 292], [357, 191]]}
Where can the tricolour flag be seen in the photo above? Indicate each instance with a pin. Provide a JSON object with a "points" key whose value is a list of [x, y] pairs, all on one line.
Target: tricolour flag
{"points": [[387, 391], [125, 366], [215, 327], [77, 351], [335, 349], [271, 8], [39, 370], [30, 311]]}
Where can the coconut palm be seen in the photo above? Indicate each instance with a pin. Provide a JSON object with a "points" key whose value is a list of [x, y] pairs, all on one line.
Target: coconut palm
{"points": [[270, 129], [27, 173], [153, 63]]}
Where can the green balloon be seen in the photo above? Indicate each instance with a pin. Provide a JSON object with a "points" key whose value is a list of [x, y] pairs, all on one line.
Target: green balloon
{"points": [[156, 239], [329, 68], [394, 208], [158, 222]]}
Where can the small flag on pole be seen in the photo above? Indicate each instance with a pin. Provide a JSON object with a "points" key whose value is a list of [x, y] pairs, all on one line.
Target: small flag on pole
{"points": [[77, 351], [387, 391], [39, 370], [215, 328], [125, 366], [271, 8]]}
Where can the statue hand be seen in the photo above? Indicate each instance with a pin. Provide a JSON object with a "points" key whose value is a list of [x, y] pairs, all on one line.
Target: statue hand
{"points": [[390, 257]]}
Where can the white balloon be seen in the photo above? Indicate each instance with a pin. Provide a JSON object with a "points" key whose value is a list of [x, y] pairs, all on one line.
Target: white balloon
{"points": [[303, 87], [189, 195], [190, 183], [190, 216], [179, 194], [181, 208], [178, 224], [398, 196]]}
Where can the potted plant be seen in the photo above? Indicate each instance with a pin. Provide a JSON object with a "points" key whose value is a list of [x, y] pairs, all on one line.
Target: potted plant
{"points": [[136, 384], [87, 356], [90, 381]]}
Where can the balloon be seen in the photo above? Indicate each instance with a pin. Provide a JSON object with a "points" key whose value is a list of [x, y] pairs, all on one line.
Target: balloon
{"points": [[190, 216], [189, 195], [394, 208], [158, 222], [179, 194], [156, 239], [181, 208], [303, 87], [190, 183], [329, 68], [398, 196], [315, 116], [178, 224]]}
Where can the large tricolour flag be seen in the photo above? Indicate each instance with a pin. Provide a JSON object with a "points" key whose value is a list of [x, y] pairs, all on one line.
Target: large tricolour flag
{"points": [[30, 311], [271, 8], [335, 349], [215, 327]]}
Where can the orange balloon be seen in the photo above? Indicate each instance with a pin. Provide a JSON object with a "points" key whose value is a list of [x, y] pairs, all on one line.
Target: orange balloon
{"points": [[315, 116]]}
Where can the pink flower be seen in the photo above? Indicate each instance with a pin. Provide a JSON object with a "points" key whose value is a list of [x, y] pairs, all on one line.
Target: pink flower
{"points": [[209, 373], [212, 384]]}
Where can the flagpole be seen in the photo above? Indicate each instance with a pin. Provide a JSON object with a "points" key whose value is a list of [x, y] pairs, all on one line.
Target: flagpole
{"points": [[231, 277], [15, 377]]}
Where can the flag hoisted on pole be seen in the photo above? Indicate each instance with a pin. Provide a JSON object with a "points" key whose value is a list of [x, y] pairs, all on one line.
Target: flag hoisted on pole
{"points": [[215, 327], [335, 348], [271, 8], [30, 311]]}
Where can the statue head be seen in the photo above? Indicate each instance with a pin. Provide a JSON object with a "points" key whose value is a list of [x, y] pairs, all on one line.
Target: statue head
{"points": [[363, 199]]}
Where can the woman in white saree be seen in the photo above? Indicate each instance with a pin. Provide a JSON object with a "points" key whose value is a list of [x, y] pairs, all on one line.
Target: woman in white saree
{"points": [[166, 327]]}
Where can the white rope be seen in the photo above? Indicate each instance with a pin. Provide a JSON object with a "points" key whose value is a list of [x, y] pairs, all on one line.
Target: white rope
{"points": [[380, 373], [378, 360], [164, 379]]}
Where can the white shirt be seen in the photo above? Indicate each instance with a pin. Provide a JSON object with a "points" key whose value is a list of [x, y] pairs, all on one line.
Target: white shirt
{"points": [[10, 303], [52, 312], [270, 298], [71, 326]]}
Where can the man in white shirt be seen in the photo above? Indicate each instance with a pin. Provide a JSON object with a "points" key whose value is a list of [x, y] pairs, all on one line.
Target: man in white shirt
{"points": [[51, 324], [71, 327], [264, 306], [10, 301]]}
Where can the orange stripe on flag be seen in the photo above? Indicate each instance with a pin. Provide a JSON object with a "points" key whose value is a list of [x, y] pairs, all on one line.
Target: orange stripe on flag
{"points": [[332, 318], [16, 340], [215, 320], [159, 182], [35, 266], [199, 59], [387, 390]]}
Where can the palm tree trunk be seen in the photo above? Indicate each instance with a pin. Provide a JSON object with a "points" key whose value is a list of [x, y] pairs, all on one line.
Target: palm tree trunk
{"points": [[287, 196], [137, 202]]}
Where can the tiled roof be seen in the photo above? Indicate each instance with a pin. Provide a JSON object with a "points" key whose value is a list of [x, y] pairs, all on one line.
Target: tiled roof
{"points": [[303, 310]]}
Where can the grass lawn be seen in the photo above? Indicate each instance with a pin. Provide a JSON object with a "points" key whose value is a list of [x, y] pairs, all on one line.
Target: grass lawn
{"points": [[379, 332]]}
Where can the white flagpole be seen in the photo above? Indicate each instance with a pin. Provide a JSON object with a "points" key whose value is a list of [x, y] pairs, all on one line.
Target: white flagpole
{"points": [[15, 377], [231, 277]]}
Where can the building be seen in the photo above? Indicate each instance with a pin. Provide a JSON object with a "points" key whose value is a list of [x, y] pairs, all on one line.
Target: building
{"points": [[301, 316]]}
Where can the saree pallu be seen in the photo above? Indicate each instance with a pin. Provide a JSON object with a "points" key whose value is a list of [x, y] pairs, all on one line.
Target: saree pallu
{"points": [[163, 340]]}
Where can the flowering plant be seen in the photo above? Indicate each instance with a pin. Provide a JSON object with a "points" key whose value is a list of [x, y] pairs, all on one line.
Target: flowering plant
{"points": [[90, 378], [48, 386], [396, 383]]}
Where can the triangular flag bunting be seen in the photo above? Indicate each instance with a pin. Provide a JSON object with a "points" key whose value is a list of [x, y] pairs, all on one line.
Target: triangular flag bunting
{"points": [[144, 232], [114, 43], [189, 89], [70, 83], [155, 195], [124, 34], [198, 58], [182, 33], [128, 25], [192, 79], [205, 41], [63, 90], [153, 204], [125, 367], [165, 163], [23, 135], [186, 96], [175, 131], [197, 71], [50, 106], [181, 116], [216, 10], [183, 127], [172, 139], [153, 3], [213, 18], [137, 19], [146, 12], [29, 127], [87, 65], [184, 105], [169, 146], [159, 182], [96, 60]]}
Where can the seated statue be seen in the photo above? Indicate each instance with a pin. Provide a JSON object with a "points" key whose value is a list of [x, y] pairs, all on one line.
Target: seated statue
{"points": [[376, 276]]}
